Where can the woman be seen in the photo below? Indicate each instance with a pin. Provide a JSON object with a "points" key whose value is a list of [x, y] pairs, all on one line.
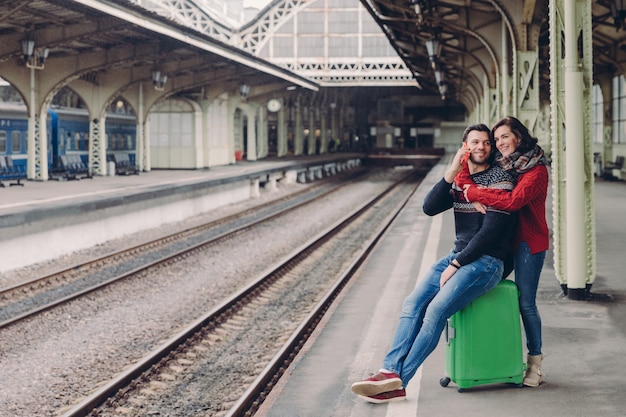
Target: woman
{"points": [[519, 154]]}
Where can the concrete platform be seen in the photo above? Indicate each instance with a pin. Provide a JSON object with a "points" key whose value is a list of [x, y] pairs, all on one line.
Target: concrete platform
{"points": [[44, 220], [584, 341]]}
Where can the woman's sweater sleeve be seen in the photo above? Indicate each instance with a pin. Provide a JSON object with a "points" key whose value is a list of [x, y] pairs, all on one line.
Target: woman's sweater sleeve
{"points": [[529, 186]]}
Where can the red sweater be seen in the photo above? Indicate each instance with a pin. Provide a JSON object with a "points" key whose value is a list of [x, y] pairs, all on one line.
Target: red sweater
{"points": [[528, 197]]}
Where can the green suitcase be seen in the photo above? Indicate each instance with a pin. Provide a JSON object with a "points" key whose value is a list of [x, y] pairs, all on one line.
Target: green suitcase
{"points": [[484, 341]]}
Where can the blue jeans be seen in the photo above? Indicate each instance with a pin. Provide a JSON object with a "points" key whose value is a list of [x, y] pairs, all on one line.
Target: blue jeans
{"points": [[426, 309], [527, 272]]}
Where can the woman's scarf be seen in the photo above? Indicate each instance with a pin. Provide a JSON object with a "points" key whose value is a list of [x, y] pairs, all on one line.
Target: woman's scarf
{"points": [[519, 163]]}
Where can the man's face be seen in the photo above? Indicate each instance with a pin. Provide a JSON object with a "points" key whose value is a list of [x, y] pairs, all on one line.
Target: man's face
{"points": [[479, 146]]}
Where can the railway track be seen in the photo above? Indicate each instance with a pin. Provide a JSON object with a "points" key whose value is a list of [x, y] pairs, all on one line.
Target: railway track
{"points": [[38, 295], [284, 304]]}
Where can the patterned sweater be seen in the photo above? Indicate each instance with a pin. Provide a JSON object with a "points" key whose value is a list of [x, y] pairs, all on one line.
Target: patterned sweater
{"points": [[476, 234], [529, 197]]}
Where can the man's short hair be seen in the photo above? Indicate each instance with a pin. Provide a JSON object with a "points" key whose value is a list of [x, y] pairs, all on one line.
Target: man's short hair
{"points": [[480, 127]]}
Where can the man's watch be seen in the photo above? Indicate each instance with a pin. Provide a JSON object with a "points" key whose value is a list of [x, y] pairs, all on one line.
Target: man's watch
{"points": [[456, 265]]}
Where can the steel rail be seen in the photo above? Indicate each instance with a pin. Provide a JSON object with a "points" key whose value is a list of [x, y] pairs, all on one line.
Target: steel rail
{"points": [[235, 302], [164, 260]]}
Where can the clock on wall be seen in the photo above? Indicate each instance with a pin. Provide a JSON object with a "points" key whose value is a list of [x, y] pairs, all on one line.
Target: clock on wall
{"points": [[273, 105]]}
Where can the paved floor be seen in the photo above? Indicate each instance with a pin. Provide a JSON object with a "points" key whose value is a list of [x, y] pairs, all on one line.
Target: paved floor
{"points": [[584, 341]]}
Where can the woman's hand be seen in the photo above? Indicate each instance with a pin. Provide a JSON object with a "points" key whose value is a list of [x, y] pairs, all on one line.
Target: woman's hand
{"points": [[478, 206]]}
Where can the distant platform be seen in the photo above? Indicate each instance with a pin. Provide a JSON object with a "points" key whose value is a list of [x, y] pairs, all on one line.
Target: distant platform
{"points": [[424, 158]]}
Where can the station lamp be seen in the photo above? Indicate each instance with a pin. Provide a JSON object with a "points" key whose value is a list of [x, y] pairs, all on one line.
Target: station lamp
{"points": [[33, 58], [158, 79], [439, 77], [244, 90], [433, 46], [443, 89], [419, 10]]}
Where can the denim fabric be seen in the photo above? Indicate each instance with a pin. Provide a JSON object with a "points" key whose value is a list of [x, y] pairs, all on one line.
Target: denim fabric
{"points": [[527, 272], [426, 309]]}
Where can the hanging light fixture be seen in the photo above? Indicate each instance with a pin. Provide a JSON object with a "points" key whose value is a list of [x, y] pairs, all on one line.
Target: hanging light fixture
{"points": [[438, 77], [244, 90], [28, 48], [158, 79], [433, 47], [419, 10], [33, 58], [443, 89]]}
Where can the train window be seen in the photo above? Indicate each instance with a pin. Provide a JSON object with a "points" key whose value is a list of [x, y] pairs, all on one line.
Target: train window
{"points": [[3, 141], [68, 141], [129, 142], [16, 142], [77, 141]]}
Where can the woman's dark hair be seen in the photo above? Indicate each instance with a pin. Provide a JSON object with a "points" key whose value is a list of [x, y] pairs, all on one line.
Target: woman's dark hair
{"points": [[527, 141]]}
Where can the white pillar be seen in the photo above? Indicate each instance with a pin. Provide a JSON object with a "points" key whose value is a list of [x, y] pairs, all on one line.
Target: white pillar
{"points": [[505, 70], [574, 161], [32, 146], [251, 153]]}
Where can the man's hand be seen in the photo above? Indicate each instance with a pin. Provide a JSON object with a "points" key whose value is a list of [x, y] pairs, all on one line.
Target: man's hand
{"points": [[446, 275], [457, 165]]}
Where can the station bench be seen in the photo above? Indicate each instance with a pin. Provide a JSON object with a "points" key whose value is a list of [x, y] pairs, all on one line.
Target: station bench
{"points": [[10, 172], [123, 165], [73, 167]]}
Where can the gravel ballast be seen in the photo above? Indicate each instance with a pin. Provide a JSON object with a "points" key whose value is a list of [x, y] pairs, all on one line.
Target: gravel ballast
{"points": [[53, 360]]}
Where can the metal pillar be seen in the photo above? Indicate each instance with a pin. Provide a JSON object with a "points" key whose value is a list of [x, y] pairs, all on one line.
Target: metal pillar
{"points": [[142, 144], [505, 70], [281, 129], [324, 131], [528, 97], [572, 164], [97, 147], [298, 146], [37, 141], [251, 153], [312, 124]]}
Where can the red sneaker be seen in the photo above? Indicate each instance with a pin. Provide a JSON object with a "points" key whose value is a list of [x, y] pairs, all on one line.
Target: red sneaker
{"points": [[377, 384], [386, 397]]}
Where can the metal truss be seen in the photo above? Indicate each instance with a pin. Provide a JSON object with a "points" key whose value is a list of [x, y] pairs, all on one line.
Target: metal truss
{"points": [[96, 148], [252, 37], [355, 72], [189, 13], [256, 34]]}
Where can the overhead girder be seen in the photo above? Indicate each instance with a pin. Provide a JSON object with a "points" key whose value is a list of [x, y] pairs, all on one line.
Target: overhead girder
{"points": [[58, 39], [193, 16], [463, 29], [254, 35]]}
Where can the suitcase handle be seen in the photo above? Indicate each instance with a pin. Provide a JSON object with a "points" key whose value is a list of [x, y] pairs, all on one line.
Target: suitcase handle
{"points": [[450, 332]]}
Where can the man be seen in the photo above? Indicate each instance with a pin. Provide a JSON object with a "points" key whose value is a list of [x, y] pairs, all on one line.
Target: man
{"points": [[472, 268]]}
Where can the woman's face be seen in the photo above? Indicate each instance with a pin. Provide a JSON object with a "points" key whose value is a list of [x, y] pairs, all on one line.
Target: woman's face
{"points": [[506, 141]]}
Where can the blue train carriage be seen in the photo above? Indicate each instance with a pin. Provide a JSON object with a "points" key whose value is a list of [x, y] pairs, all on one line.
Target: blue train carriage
{"points": [[68, 134], [121, 131], [14, 134]]}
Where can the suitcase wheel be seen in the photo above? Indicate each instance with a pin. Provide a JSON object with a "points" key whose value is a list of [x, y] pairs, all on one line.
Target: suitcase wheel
{"points": [[444, 381], [461, 389]]}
